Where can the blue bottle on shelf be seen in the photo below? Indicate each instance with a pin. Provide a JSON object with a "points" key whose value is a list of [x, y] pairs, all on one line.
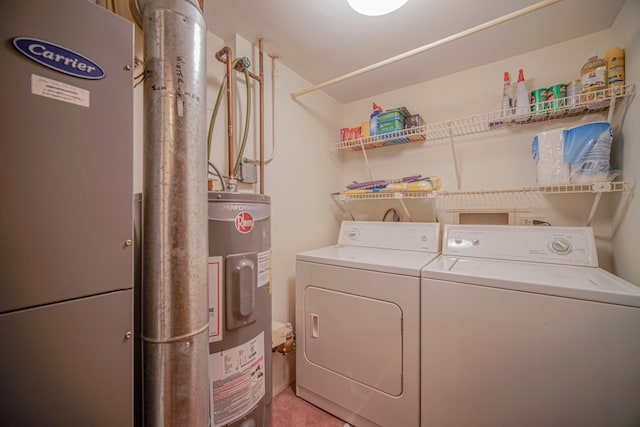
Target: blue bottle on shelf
{"points": [[373, 120]]}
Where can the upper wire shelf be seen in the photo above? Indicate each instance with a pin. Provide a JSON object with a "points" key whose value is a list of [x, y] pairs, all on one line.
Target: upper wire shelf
{"points": [[414, 134], [561, 108], [594, 187]]}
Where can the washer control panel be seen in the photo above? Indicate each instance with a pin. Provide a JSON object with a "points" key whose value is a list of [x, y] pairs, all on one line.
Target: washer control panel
{"points": [[411, 236], [558, 245]]}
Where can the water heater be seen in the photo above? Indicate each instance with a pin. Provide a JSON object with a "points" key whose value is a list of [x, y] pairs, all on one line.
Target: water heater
{"points": [[240, 309]]}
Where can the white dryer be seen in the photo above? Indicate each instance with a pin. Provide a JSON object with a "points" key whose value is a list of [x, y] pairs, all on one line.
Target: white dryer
{"points": [[358, 322], [521, 328]]}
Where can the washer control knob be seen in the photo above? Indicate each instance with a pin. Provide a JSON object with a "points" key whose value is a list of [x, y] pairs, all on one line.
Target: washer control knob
{"points": [[457, 241], [352, 234], [561, 246], [424, 238], [475, 242]]}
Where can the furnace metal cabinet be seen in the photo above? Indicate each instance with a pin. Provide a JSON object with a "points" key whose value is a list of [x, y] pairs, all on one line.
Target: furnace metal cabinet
{"points": [[66, 215]]}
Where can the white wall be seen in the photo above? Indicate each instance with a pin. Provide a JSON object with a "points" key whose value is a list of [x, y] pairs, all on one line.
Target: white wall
{"points": [[626, 33], [299, 181]]}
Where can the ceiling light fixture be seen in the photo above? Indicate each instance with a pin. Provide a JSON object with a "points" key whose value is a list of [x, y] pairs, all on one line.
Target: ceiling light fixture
{"points": [[376, 7]]}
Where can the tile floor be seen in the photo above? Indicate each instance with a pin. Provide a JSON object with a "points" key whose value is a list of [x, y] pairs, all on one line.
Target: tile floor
{"points": [[288, 410]]}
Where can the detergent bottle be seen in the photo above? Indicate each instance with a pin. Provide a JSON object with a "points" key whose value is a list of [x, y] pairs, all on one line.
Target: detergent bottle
{"points": [[373, 120]]}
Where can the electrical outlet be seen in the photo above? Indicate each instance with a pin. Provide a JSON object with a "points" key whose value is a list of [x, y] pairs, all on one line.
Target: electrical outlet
{"points": [[529, 219]]}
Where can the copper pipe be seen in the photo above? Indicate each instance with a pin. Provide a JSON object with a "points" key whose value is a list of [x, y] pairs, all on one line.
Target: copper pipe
{"points": [[225, 55], [261, 80], [254, 76]]}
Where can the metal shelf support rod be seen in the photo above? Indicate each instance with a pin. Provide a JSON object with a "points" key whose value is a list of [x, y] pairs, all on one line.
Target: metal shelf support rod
{"points": [[594, 208], [366, 160], [612, 105], [455, 158], [404, 208]]}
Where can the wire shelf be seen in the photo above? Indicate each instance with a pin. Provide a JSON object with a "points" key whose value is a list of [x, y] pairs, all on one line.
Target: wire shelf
{"points": [[414, 134], [561, 108], [386, 195], [594, 187]]}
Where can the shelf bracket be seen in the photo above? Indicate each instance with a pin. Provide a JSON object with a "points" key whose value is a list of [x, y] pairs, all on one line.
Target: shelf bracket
{"points": [[434, 209], [347, 210], [612, 104], [404, 208], [366, 159], [623, 206], [344, 207], [594, 208], [453, 152]]}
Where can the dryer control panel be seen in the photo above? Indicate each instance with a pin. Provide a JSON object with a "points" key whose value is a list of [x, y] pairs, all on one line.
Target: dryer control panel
{"points": [[556, 245], [411, 236]]}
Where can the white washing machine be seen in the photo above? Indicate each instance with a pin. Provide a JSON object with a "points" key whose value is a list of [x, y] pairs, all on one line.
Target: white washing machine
{"points": [[358, 322], [521, 328]]}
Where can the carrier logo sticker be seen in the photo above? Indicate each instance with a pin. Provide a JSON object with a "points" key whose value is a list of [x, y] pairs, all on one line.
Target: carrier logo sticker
{"points": [[244, 222], [58, 58]]}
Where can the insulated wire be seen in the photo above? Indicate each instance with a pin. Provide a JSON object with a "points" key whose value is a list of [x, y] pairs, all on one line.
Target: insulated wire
{"points": [[219, 175], [215, 113], [213, 116]]}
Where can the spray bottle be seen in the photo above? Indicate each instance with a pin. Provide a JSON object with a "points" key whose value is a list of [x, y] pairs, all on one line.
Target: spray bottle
{"points": [[373, 120], [523, 107]]}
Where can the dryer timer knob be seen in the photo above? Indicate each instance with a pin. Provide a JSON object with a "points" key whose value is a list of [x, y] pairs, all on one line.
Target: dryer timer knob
{"points": [[561, 246]]}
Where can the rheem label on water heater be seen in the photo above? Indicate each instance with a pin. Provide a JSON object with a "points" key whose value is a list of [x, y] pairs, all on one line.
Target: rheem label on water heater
{"points": [[237, 380], [244, 222]]}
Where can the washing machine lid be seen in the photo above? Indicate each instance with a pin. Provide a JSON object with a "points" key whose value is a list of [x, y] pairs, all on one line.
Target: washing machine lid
{"points": [[407, 263], [587, 283]]}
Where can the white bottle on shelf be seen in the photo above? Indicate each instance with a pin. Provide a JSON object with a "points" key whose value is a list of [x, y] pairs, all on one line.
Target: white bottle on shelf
{"points": [[523, 106], [507, 98]]}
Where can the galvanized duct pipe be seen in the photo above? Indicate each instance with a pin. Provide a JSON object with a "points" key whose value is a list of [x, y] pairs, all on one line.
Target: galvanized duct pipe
{"points": [[175, 246]]}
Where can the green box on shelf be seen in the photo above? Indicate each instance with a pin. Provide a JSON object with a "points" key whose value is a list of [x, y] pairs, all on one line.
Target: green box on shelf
{"points": [[390, 126], [391, 115]]}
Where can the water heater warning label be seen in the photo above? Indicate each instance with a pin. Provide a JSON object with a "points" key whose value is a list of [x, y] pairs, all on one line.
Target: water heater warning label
{"points": [[215, 296], [264, 268], [237, 380]]}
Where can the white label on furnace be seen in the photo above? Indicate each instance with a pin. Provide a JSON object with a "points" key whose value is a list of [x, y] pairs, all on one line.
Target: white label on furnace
{"points": [[60, 91], [214, 274], [237, 380], [264, 268]]}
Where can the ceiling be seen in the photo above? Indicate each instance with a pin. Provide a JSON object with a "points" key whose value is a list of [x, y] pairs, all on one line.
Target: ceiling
{"points": [[324, 39]]}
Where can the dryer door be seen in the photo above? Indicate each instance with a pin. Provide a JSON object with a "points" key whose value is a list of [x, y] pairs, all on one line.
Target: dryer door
{"points": [[355, 336]]}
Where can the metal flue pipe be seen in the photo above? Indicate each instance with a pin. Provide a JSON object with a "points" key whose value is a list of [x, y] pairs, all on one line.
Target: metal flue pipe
{"points": [[175, 245]]}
